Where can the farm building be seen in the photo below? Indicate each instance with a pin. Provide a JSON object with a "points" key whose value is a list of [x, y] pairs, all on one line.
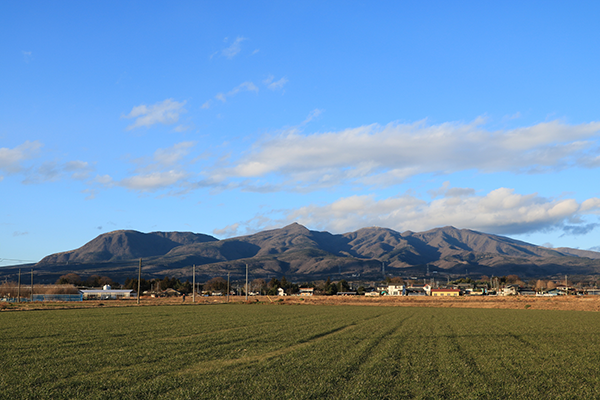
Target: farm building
{"points": [[445, 292]]}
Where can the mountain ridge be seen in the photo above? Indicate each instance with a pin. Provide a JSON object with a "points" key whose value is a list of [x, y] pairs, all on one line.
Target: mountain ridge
{"points": [[300, 253]]}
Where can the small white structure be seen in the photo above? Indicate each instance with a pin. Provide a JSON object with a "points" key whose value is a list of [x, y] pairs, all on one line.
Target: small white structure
{"points": [[281, 292], [107, 294], [307, 291]]}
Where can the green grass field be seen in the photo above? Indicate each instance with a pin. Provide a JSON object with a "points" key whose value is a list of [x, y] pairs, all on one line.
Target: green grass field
{"points": [[298, 352]]}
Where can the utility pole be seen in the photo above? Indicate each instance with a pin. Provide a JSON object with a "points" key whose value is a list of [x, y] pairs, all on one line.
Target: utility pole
{"points": [[19, 287], [228, 286], [32, 284], [194, 283], [246, 282], [139, 281]]}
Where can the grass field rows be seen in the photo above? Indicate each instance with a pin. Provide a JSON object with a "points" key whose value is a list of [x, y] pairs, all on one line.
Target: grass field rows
{"points": [[303, 352]]}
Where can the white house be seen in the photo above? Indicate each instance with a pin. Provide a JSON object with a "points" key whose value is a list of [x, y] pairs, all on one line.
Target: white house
{"points": [[395, 290]]}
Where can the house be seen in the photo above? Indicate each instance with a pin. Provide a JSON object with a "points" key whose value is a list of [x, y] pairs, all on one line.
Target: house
{"points": [[445, 292], [395, 290], [307, 291], [593, 292], [426, 288], [107, 293], [382, 289], [415, 291], [509, 290]]}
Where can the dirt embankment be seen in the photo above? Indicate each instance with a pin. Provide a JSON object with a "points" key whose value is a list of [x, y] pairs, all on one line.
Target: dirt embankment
{"points": [[574, 303]]}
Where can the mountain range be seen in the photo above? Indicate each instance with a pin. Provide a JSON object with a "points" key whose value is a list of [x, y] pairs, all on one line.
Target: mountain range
{"points": [[301, 254]]}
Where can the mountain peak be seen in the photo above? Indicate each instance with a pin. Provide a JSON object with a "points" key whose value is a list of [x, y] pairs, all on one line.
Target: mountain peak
{"points": [[295, 227]]}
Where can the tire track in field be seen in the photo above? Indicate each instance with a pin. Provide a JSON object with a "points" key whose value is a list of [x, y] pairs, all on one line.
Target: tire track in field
{"points": [[367, 356], [220, 333], [464, 357], [244, 360], [523, 341]]}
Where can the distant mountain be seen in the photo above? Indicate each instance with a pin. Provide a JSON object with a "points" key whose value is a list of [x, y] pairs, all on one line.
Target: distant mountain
{"points": [[304, 255], [126, 245]]}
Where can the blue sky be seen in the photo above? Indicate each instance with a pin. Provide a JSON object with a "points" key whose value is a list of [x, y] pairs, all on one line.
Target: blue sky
{"points": [[227, 118]]}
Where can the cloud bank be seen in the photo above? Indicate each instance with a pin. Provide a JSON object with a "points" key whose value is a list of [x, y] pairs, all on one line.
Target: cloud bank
{"points": [[387, 155], [501, 211]]}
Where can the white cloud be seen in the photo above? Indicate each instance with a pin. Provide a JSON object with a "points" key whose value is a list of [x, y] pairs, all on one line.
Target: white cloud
{"points": [[182, 128], [312, 115], [153, 181], [11, 160], [166, 112], [173, 155], [376, 155], [27, 56], [228, 231], [79, 170], [275, 85], [166, 169], [105, 180], [501, 211], [245, 86], [90, 193], [234, 48]]}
